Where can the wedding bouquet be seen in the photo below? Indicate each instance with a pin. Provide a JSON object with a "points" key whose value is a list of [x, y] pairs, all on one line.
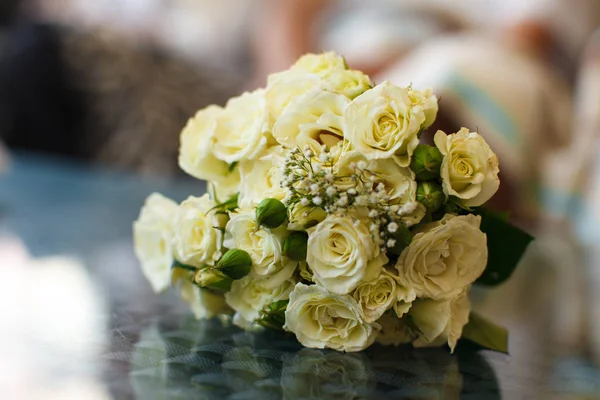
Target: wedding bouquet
{"points": [[327, 218]]}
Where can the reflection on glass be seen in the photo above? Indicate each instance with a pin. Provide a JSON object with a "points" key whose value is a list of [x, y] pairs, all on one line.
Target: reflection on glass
{"points": [[214, 360]]}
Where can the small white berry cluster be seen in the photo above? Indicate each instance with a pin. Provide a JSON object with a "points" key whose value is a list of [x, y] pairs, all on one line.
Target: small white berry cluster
{"points": [[310, 180]]}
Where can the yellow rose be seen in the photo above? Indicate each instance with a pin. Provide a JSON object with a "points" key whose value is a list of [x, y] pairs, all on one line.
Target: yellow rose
{"points": [[394, 331], [444, 257], [382, 123], [322, 64], [440, 321], [242, 126], [196, 237], [265, 246], [313, 119], [376, 296], [250, 295], [261, 178], [427, 101], [322, 319], [350, 83], [302, 217], [152, 235], [342, 253], [470, 168], [196, 146]]}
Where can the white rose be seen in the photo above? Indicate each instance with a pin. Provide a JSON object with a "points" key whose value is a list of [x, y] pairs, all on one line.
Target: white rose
{"points": [[261, 178], [322, 64], [302, 217], [203, 303], [350, 83], [322, 319], [470, 168], [250, 295], [284, 86], [265, 246], [342, 253], [242, 126], [152, 235], [394, 331], [382, 123], [445, 257], [427, 101], [440, 321], [312, 119], [197, 142], [196, 237]]}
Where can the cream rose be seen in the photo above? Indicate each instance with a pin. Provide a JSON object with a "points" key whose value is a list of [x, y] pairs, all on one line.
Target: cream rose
{"points": [[196, 236], [440, 321], [323, 64], [470, 168], [242, 126], [444, 258], [376, 296], [284, 86], [322, 319], [350, 83], [152, 235], [227, 186], [263, 245], [303, 217], [197, 142], [394, 331], [342, 253], [261, 179], [382, 123], [250, 295], [203, 303], [427, 101], [313, 119]]}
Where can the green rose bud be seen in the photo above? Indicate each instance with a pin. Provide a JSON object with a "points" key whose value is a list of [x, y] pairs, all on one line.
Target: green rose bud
{"points": [[401, 239], [426, 162], [273, 316], [431, 195], [213, 279], [294, 247], [236, 264], [270, 213]]}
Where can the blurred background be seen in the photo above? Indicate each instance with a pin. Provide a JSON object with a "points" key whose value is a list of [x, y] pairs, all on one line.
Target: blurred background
{"points": [[107, 85]]}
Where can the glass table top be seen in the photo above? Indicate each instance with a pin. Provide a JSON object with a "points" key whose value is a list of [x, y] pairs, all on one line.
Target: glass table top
{"points": [[79, 320]]}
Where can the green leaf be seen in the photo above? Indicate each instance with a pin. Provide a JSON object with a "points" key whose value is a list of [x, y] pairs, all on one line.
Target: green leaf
{"points": [[486, 334], [506, 245]]}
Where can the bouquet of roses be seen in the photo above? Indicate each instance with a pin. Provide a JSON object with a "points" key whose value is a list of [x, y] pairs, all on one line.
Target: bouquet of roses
{"points": [[326, 217]]}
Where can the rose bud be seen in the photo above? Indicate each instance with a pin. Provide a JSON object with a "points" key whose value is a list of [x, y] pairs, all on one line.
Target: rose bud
{"points": [[294, 247], [426, 162], [212, 279], [235, 264], [270, 213], [431, 195]]}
